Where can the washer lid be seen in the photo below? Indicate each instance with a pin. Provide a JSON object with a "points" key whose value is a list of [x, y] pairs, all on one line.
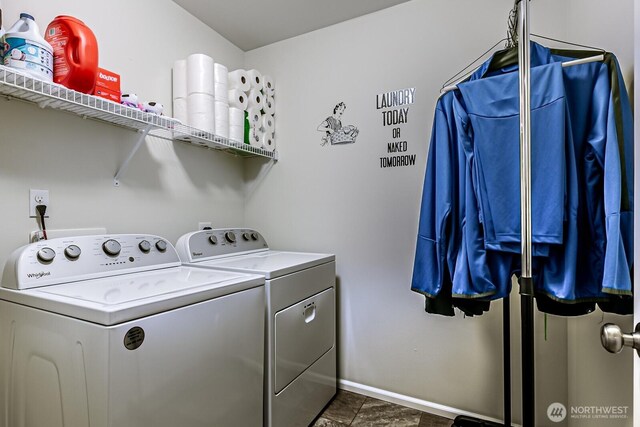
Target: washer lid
{"points": [[271, 264], [113, 300]]}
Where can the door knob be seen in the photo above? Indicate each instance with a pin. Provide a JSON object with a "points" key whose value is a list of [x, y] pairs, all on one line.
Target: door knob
{"points": [[613, 340]]}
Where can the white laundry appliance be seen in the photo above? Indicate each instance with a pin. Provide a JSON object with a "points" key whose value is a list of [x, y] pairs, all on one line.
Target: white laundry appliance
{"points": [[300, 351], [112, 331]]}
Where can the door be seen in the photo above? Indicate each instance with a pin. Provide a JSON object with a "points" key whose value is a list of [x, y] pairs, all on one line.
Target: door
{"points": [[636, 222], [614, 337]]}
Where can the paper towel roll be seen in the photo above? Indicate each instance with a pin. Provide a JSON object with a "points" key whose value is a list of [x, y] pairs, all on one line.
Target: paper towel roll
{"points": [[267, 142], [256, 100], [254, 116], [180, 79], [221, 92], [200, 74], [236, 117], [268, 85], [266, 124], [203, 122], [220, 74], [180, 110], [269, 105], [200, 111], [255, 79], [238, 99], [222, 119], [236, 133], [239, 79], [256, 138]]}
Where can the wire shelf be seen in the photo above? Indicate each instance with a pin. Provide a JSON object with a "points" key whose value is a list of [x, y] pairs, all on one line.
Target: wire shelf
{"points": [[15, 85], [199, 137]]}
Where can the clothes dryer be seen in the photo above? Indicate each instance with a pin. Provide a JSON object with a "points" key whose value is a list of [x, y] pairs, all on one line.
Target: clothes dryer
{"points": [[300, 351], [112, 331]]}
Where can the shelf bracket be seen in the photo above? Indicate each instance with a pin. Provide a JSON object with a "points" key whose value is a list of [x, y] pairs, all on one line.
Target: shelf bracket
{"points": [[125, 164]]}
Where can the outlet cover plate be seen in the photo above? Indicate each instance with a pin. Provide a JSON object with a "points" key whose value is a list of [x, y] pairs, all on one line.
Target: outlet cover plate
{"points": [[38, 197]]}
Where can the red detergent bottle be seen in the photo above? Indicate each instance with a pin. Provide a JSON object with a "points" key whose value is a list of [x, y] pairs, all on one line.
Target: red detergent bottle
{"points": [[75, 53]]}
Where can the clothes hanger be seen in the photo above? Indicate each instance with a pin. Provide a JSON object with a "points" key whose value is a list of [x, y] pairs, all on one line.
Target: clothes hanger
{"points": [[456, 77], [511, 41], [509, 55]]}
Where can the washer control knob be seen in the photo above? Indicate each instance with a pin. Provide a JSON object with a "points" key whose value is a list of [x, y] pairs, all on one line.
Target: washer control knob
{"points": [[254, 236], [72, 252], [111, 247], [246, 236], [161, 245], [213, 240], [144, 246], [46, 255], [231, 238]]}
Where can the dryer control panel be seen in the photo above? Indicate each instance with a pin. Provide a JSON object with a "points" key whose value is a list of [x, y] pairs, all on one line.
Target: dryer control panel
{"points": [[206, 244], [71, 259]]}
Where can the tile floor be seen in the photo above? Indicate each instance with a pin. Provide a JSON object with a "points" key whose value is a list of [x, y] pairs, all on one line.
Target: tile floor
{"points": [[351, 409]]}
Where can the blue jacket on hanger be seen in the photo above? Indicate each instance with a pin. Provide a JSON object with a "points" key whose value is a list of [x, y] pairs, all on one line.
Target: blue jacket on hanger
{"points": [[451, 248], [491, 122]]}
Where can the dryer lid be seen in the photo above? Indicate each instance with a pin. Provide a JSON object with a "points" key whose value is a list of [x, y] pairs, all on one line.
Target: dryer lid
{"points": [[271, 264], [113, 300]]}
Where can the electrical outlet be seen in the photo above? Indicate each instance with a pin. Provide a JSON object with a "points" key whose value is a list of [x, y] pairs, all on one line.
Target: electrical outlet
{"points": [[203, 225], [38, 197]]}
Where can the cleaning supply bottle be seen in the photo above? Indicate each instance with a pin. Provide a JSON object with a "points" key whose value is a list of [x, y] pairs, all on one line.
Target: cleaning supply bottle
{"points": [[75, 53], [27, 51], [2, 32]]}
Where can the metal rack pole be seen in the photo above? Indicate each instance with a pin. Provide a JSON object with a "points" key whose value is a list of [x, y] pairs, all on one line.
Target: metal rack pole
{"points": [[526, 281], [506, 358]]}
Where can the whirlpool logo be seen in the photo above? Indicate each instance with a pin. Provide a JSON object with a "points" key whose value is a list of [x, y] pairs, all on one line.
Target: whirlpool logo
{"points": [[196, 253], [38, 275]]}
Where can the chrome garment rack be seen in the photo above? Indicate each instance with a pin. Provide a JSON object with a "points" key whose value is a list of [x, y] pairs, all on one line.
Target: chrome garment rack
{"points": [[526, 280], [519, 17]]}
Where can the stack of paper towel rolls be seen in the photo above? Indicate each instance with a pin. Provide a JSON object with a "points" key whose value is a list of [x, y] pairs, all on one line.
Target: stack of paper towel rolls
{"points": [[201, 92], [220, 76], [180, 90], [237, 105], [254, 93]]}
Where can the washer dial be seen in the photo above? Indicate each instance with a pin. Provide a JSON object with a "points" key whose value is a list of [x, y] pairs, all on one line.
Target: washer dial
{"points": [[213, 240], [144, 246], [161, 245], [111, 247], [72, 251], [46, 255], [230, 236]]}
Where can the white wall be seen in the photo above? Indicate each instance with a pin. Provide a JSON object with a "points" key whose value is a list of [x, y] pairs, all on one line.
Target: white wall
{"points": [[338, 199], [168, 187]]}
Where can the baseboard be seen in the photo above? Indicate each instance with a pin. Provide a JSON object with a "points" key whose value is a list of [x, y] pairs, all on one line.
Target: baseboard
{"points": [[411, 402]]}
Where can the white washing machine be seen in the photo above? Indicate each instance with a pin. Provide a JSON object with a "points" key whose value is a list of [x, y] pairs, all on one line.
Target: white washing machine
{"points": [[300, 317], [112, 331]]}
